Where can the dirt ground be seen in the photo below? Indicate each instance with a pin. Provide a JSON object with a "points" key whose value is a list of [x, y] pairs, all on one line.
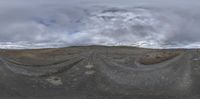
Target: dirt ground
{"points": [[100, 72]]}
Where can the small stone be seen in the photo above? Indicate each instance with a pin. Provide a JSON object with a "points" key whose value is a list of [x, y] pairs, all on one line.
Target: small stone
{"points": [[89, 66], [55, 80], [89, 72]]}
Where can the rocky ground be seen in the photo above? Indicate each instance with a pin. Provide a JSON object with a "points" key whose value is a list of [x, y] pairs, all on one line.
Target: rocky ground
{"points": [[99, 72]]}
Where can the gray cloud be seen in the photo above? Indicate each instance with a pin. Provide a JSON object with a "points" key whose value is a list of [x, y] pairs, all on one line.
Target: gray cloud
{"points": [[144, 23]]}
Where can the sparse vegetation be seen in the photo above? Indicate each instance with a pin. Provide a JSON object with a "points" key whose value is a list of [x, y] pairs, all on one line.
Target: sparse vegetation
{"points": [[157, 57]]}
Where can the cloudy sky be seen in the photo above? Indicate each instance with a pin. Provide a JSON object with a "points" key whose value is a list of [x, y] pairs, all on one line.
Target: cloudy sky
{"points": [[59, 23]]}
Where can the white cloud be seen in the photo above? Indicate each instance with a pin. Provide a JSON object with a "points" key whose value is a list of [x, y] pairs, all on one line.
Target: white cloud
{"points": [[50, 23]]}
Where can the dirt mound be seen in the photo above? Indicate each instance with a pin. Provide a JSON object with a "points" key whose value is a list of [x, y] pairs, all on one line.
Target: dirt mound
{"points": [[157, 57]]}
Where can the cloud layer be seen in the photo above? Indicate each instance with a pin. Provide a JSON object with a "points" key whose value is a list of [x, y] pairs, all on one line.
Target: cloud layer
{"points": [[46, 23]]}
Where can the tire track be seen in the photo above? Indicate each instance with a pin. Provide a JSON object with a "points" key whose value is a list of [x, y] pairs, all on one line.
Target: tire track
{"points": [[169, 77], [44, 70]]}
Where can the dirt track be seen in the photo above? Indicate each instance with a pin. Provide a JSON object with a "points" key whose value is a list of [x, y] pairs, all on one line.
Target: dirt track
{"points": [[98, 72]]}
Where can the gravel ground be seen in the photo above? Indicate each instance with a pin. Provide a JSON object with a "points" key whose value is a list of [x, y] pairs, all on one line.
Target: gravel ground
{"points": [[99, 72]]}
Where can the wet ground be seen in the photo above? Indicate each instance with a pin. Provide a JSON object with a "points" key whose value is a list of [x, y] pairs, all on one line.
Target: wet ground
{"points": [[99, 72]]}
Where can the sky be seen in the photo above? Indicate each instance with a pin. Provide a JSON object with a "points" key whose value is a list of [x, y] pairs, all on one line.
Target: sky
{"points": [[60, 23]]}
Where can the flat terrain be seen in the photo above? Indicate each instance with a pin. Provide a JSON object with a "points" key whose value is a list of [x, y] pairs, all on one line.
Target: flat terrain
{"points": [[99, 72]]}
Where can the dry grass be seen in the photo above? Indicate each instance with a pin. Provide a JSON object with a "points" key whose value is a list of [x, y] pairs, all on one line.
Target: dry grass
{"points": [[39, 53], [157, 57]]}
